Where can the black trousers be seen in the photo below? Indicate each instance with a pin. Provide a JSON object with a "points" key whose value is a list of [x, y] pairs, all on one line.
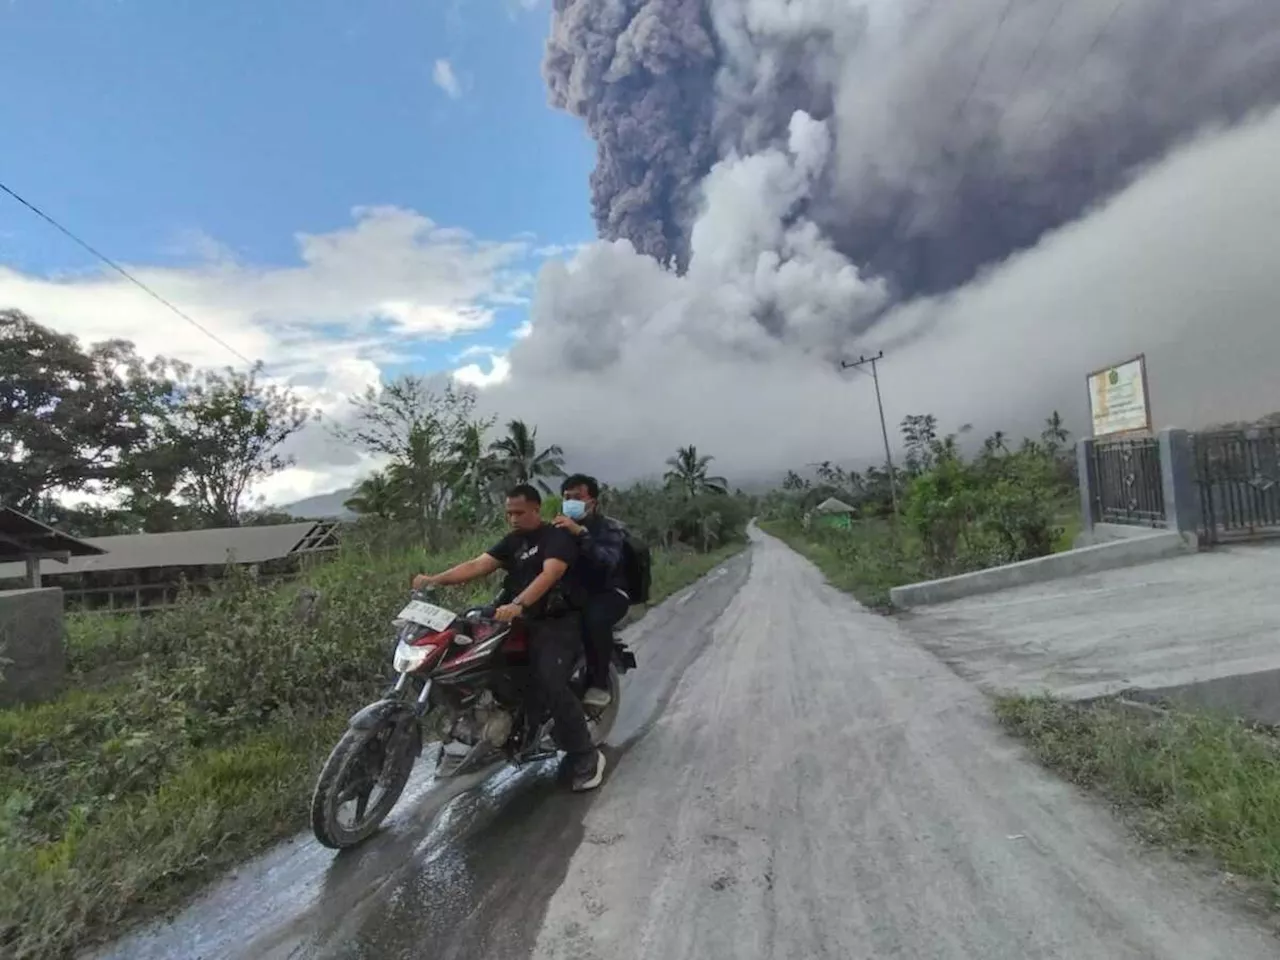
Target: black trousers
{"points": [[599, 616], [554, 643]]}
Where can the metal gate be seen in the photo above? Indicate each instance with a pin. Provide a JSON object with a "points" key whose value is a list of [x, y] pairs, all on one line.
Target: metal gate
{"points": [[1238, 474], [1126, 483]]}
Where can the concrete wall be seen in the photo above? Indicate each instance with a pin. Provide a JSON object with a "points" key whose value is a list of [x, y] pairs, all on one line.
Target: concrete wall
{"points": [[1254, 696], [32, 637], [1121, 552], [1111, 532]]}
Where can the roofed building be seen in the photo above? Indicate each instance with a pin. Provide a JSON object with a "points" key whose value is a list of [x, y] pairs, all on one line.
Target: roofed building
{"points": [[30, 542], [145, 571], [835, 513]]}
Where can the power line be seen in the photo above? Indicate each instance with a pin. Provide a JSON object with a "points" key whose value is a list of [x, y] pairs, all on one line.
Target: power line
{"points": [[1097, 39], [982, 64], [125, 273]]}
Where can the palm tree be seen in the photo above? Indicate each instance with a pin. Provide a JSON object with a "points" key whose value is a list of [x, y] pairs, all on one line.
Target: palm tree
{"points": [[475, 469], [376, 496], [521, 461], [1055, 433], [688, 474]]}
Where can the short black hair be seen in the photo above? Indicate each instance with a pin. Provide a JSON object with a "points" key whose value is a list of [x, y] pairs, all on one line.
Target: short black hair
{"points": [[525, 491], [582, 480]]}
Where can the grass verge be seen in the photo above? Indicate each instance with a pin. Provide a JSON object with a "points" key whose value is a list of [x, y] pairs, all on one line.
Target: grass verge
{"points": [[1199, 783], [869, 558], [118, 801]]}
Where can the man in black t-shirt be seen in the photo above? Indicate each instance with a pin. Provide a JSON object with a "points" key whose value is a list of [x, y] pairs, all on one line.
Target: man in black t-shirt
{"points": [[541, 588]]}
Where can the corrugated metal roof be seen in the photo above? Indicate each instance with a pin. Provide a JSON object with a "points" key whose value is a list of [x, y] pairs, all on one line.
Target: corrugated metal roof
{"points": [[22, 537], [193, 548], [832, 505]]}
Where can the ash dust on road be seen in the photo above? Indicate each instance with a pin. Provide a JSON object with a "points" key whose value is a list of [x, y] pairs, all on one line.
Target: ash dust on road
{"points": [[463, 869], [809, 784], [820, 787]]}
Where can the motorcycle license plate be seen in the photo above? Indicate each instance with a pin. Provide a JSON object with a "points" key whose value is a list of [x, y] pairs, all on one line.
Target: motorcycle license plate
{"points": [[427, 615]]}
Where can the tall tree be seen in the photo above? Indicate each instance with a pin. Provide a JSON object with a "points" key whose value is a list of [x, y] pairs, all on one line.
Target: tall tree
{"points": [[793, 481], [919, 436], [521, 460], [389, 419], [423, 479], [1055, 434], [433, 440], [688, 472], [70, 418], [225, 432]]}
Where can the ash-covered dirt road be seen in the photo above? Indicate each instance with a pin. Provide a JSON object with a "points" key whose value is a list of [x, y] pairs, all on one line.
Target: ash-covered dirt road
{"points": [[816, 786]]}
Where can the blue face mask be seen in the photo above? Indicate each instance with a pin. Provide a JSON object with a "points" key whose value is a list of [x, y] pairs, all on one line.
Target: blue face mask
{"points": [[574, 509]]}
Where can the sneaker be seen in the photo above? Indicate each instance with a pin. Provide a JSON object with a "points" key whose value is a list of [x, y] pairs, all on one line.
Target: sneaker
{"points": [[597, 698], [589, 771]]}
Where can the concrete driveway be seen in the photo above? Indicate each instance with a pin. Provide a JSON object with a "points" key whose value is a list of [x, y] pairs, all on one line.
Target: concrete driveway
{"points": [[1187, 619]]}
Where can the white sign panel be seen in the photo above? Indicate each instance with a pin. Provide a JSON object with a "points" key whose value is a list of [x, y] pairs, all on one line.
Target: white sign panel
{"points": [[1118, 399]]}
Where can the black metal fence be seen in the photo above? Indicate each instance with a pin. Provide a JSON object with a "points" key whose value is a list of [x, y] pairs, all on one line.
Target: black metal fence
{"points": [[1125, 482], [1238, 473]]}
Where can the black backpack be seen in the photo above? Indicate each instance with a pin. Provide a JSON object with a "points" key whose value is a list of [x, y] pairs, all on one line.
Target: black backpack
{"points": [[637, 566]]}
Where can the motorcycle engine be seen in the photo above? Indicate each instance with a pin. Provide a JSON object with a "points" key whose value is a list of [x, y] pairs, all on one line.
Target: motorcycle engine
{"points": [[493, 721]]}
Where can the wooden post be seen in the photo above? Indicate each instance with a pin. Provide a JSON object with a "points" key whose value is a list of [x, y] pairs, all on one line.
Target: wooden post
{"points": [[33, 572]]}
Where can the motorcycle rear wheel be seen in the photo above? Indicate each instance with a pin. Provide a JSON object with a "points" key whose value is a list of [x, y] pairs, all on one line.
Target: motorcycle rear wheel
{"points": [[392, 759]]}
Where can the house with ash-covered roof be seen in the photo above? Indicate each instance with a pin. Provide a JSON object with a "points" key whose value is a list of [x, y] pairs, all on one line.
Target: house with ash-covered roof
{"points": [[145, 571]]}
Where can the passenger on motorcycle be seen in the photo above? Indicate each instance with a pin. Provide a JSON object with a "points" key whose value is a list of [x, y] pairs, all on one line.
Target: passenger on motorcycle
{"points": [[600, 542], [539, 587]]}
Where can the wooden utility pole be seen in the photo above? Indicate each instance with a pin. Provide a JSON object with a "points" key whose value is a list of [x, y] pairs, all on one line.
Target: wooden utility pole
{"points": [[884, 430]]}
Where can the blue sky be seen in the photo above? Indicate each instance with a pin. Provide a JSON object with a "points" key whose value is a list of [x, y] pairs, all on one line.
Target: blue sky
{"points": [[165, 130]]}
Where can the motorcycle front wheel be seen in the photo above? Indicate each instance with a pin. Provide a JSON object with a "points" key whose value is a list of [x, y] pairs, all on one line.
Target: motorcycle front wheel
{"points": [[368, 768]]}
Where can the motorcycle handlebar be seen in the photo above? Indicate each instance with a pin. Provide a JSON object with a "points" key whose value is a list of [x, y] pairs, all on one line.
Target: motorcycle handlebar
{"points": [[486, 612]]}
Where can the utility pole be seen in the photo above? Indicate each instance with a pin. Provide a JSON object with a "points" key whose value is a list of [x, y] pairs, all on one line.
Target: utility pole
{"points": [[884, 430]]}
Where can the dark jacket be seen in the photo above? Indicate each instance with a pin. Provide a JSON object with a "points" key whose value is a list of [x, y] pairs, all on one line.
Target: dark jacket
{"points": [[600, 554]]}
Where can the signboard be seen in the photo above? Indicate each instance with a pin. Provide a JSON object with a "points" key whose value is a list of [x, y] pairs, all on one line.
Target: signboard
{"points": [[1118, 399]]}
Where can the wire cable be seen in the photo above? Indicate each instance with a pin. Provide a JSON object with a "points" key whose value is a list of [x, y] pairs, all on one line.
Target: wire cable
{"points": [[125, 273]]}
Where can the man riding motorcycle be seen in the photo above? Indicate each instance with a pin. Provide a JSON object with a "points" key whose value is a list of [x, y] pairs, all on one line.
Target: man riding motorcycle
{"points": [[600, 542], [541, 588]]}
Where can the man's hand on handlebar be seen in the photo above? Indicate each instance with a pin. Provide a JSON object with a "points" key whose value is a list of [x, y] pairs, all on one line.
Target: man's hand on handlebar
{"points": [[508, 612], [423, 580]]}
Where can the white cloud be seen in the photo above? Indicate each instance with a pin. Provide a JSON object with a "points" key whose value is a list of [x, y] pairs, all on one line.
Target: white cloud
{"points": [[476, 376], [559, 250], [522, 331], [475, 350], [444, 77], [390, 279]]}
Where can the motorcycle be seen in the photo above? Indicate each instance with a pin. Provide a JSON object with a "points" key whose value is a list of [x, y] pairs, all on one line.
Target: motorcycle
{"points": [[461, 677]]}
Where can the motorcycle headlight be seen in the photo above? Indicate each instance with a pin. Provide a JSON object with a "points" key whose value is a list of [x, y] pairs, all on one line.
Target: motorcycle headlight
{"points": [[410, 658]]}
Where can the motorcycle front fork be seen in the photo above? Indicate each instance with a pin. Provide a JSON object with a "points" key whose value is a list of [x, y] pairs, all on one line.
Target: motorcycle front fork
{"points": [[402, 681]]}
